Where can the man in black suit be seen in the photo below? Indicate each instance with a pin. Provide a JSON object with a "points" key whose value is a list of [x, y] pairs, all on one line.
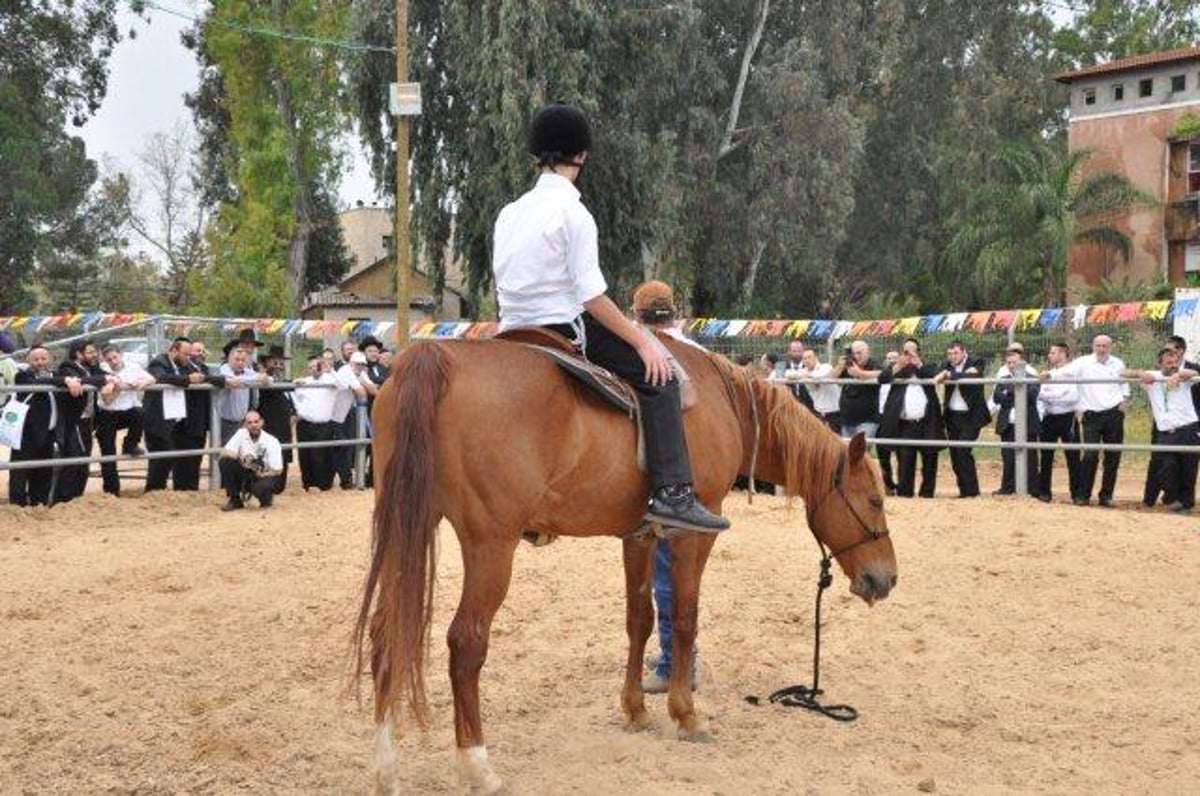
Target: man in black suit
{"points": [[276, 409], [1005, 397], [966, 413], [912, 412], [32, 487], [167, 416], [73, 432]]}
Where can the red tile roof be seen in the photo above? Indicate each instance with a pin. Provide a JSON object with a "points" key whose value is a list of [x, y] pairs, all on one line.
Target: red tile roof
{"points": [[1133, 62]]}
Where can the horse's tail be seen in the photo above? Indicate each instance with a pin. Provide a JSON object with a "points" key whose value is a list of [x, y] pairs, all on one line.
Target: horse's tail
{"points": [[404, 561]]}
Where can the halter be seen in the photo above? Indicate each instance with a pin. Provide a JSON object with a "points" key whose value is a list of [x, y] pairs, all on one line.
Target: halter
{"points": [[869, 534]]}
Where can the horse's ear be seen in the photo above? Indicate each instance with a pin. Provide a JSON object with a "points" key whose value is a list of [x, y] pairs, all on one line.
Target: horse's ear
{"points": [[858, 448]]}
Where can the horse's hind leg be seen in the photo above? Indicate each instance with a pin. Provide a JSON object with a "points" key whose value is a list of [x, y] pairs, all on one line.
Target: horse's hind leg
{"points": [[487, 570], [639, 619], [689, 554]]}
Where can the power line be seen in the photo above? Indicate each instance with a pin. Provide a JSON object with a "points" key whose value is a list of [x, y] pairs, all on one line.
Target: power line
{"points": [[253, 30]]}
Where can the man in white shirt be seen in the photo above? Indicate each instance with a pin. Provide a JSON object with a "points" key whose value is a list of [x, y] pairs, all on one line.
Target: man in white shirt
{"points": [[1103, 406], [546, 259], [350, 393], [1057, 404], [825, 396], [1177, 423], [120, 407], [314, 423], [250, 463]]}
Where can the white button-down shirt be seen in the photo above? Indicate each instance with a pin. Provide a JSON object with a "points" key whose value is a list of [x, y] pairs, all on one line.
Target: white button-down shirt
{"points": [[130, 375], [1058, 399], [825, 396], [546, 256], [315, 405], [1097, 397], [1172, 406], [266, 448]]}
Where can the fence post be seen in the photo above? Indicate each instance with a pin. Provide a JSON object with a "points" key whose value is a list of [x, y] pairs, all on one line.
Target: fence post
{"points": [[214, 441], [360, 448], [1021, 436]]}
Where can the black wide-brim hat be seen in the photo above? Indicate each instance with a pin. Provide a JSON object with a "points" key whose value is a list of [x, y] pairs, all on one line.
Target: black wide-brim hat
{"points": [[276, 352], [558, 131], [370, 340]]}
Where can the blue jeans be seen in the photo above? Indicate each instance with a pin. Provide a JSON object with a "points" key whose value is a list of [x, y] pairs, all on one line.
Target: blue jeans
{"points": [[664, 601]]}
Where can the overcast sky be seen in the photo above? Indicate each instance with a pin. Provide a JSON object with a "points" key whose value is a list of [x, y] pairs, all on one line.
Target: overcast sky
{"points": [[148, 77]]}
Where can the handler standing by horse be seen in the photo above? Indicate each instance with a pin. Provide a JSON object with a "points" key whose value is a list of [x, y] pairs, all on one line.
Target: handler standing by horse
{"points": [[547, 266]]}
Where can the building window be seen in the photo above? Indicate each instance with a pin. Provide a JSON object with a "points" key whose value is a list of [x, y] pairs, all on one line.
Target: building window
{"points": [[1118, 92], [387, 243], [1194, 167], [1146, 87], [1089, 96], [1178, 83]]}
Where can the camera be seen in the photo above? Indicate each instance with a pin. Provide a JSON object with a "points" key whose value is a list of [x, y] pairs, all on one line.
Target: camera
{"points": [[846, 353]]}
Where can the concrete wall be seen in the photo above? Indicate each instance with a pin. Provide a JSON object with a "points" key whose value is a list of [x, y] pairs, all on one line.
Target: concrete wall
{"points": [[364, 230], [1103, 86]]}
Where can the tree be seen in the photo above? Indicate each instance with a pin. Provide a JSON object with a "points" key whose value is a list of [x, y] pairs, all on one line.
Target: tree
{"points": [[269, 109], [163, 207], [1104, 30], [1015, 242], [52, 69]]}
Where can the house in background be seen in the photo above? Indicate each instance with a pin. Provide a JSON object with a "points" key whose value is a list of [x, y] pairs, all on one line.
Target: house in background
{"points": [[368, 290], [1133, 115]]}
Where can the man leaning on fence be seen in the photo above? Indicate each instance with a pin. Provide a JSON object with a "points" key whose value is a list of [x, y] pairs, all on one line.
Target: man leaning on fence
{"points": [[32, 487], [73, 431], [1058, 402], [168, 419], [119, 408], [1177, 423], [1103, 406], [251, 462], [314, 423]]}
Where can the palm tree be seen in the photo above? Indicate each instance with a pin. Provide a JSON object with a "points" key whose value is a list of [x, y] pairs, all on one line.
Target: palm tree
{"points": [[1018, 232]]}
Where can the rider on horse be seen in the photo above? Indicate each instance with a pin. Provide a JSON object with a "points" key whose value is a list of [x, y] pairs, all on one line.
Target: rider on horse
{"points": [[547, 265]]}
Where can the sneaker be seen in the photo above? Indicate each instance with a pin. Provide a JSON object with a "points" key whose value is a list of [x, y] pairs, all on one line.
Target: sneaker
{"points": [[233, 505], [1107, 502], [1174, 505], [1042, 496], [676, 507], [1181, 509], [1080, 501], [655, 683]]}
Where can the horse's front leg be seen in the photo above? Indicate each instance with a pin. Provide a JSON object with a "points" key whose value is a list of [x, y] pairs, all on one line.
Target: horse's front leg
{"points": [[689, 554], [487, 571], [639, 619]]}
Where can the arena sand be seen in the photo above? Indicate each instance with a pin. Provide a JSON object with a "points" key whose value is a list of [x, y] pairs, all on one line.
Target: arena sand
{"points": [[153, 645]]}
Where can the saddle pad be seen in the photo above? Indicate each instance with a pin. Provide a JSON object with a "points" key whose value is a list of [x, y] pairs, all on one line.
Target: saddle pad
{"points": [[599, 380]]}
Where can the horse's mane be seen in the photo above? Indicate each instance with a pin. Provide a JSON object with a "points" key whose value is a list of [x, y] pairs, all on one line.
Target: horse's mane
{"points": [[810, 451]]}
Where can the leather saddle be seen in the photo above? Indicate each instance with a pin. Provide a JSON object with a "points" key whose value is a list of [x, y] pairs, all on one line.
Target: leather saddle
{"points": [[562, 351]]}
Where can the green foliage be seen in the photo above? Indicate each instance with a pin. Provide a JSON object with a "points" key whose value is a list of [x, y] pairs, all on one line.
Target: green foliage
{"points": [[1188, 126], [1111, 291], [271, 118], [1104, 30], [52, 71], [1012, 246]]}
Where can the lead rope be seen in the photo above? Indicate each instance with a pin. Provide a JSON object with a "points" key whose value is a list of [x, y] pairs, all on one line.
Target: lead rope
{"points": [[802, 696]]}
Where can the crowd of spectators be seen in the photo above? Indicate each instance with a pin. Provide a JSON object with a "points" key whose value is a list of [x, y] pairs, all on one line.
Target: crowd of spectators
{"points": [[1083, 399], [260, 413]]}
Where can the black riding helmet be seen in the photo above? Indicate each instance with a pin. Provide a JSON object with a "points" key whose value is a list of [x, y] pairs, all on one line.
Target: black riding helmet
{"points": [[558, 133]]}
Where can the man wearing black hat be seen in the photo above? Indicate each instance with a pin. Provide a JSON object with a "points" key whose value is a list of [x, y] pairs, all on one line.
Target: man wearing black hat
{"points": [[275, 406], [77, 418], [169, 420], [546, 258], [237, 398]]}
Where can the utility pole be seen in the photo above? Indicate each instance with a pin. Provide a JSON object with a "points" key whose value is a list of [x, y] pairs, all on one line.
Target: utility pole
{"points": [[401, 238]]}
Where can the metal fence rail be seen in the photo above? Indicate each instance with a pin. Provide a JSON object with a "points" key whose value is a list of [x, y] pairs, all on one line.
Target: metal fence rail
{"points": [[1021, 443]]}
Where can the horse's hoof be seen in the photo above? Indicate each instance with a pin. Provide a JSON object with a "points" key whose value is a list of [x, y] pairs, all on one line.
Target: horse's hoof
{"points": [[695, 736], [639, 723]]}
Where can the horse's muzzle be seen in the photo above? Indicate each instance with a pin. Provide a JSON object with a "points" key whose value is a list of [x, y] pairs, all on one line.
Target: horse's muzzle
{"points": [[873, 584]]}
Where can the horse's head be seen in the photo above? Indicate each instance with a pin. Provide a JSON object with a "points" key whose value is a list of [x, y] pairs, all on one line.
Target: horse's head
{"points": [[848, 518]]}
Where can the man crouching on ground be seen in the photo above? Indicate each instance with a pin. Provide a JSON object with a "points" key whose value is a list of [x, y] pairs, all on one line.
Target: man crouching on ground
{"points": [[251, 463]]}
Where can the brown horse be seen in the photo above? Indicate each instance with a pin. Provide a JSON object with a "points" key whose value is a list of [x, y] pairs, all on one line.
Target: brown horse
{"points": [[493, 437]]}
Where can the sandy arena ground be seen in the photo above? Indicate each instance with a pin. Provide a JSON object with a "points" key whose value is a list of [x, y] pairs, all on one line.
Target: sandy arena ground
{"points": [[152, 645]]}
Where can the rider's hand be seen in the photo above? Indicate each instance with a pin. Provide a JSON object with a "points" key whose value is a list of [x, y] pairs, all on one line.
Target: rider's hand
{"points": [[658, 367]]}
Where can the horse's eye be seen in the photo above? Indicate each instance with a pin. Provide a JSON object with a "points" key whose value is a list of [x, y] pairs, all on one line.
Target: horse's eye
{"points": [[876, 501]]}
